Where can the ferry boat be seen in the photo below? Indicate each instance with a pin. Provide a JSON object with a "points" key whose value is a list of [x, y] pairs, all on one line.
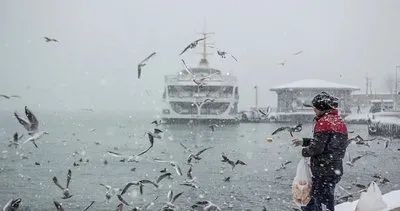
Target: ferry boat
{"points": [[201, 94]]}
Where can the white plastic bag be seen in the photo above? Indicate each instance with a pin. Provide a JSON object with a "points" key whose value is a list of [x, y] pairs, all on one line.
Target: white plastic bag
{"points": [[371, 200], [302, 184]]}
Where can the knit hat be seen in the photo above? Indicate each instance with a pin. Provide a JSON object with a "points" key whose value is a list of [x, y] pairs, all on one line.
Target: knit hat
{"points": [[324, 101]]}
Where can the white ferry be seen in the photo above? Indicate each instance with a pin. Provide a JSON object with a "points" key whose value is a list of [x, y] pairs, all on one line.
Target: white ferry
{"points": [[201, 94]]}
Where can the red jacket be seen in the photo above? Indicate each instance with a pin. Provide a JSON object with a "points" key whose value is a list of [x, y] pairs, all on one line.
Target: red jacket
{"points": [[328, 146]]}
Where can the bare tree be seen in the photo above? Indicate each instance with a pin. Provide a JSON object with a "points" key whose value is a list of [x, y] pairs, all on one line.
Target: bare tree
{"points": [[390, 82]]}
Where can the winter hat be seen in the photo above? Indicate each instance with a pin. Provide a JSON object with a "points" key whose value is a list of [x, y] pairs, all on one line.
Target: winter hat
{"points": [[324, 101]]}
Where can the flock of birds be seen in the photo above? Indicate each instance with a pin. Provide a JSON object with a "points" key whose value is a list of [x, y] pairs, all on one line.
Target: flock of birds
{"points": [[31, 125]]}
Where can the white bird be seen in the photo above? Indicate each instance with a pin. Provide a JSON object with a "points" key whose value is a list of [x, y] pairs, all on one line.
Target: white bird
{"points": [[110, 192], [65, 190], [172, 163], [12, 205], [31, 125], [297, 53], [171, 200], [205, 206], [142, 63], [192, 45], [15, 140], [223, 54], [47, 39], [9, 96]]}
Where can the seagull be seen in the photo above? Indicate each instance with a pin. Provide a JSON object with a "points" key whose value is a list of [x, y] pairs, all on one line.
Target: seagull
{"points": [[31, 125], [227, 179], [209, 100], [230, 162], [65, 190], [151, 136], [197, 155], [140, 184], [91, 203], [122, 200], [47, 39], [58, 206], [142, 63], [297, 53], [190, 184], [291, 130], [156, 123], [171, 200], [223, 54], [282, 63], [186, 67], [12, 205], [131, 158], [205, 206], [262, 112], [352, 161], [360, 141], [192, 45], [110, 191], [189, 174], [172, 163], [119, 207], [9, 96], [213, 126], [283, 165], [15, 140], [381, 179]]}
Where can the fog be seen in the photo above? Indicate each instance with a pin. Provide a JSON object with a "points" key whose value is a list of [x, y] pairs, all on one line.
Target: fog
{"points": [[94, 65]]}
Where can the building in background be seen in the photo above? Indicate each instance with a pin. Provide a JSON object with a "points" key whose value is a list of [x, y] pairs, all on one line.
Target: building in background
{"points": [[292, 96]]}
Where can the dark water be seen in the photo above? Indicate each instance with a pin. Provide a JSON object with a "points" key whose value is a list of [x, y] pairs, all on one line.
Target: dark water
{"points": [[249, 187]]}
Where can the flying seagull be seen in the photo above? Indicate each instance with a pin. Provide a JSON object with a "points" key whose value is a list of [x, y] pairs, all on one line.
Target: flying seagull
{"points": [[91, 203], [197, 155], [31, 125], [205, 205], [140, 184], [213, 126], [65, 190], [171, 200], [151, 136], [156, 122], [110, 191], [282, 63], [291, 130], [224, 53], [172, 163], [12, 205], [230, 162], [47, 39], [10, 96], [145, 207], [352, 161], [297, 53], [192, 45], [142, 63], [15, 140]]}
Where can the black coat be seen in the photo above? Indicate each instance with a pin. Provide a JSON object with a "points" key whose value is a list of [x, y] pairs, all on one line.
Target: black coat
{"points": [[328, 146]]}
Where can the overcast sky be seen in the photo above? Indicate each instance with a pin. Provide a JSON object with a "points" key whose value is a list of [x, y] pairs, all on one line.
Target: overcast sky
{"points": [[101, 42]]}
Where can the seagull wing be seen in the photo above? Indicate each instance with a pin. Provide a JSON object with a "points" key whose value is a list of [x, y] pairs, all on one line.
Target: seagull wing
{"points": [[23, 122], [151, 139], [279, 130], [240, 162], [106, 186], [189, 173], [139, 70], [259, 110], [122, 200], [201, 151], [233, 57], [189, 159], [15, 137], [58, 206], [145, 181], [186, 67], [154, 122], [57, 183], [176, 197], [5, 96], [147, 58], [162, 176], [115, 154], [32, 119], [127, 186], [147, 206], [198, 40], [157, 131], [184, 50], [91, 203], [177, 169], [183, 145], [69, 177], [356, 158], [170, 195]]}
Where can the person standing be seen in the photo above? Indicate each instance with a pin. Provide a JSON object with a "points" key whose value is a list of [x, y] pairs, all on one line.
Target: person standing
{"points": [[326, 150]]}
